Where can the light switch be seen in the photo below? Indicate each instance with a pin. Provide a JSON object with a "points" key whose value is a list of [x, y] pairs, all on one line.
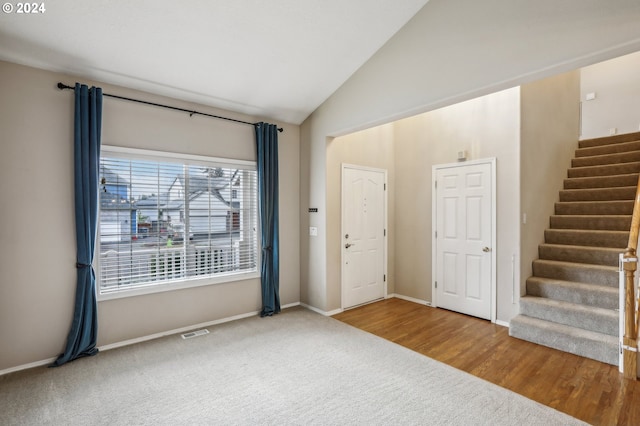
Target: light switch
{"points": [[313, 231]]}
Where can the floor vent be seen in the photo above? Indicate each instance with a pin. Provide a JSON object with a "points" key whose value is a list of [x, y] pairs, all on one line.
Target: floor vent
{"points": [[196, 333]]}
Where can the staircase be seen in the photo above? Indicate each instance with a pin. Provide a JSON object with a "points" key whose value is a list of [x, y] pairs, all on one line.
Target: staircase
{"points": [[572, 298]]}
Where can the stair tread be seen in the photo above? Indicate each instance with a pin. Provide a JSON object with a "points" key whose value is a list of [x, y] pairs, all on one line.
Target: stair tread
{"points": [[584, 248], [609, 313], [590, 216], [558, 281], [603, 170], [590, 344], [609, 188], [596, 202], [609, 148], [593, 222], [603, 159], [599, 194], [609, 140], [577, 265], [601, 181], [594, 208], [590, 231], [591, 335]]}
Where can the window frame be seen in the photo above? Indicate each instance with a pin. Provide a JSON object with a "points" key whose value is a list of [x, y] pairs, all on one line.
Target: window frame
{"points": [[132, 154]]}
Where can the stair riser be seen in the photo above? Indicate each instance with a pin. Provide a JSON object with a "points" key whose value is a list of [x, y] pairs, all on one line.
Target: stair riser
{"points": [[595, 208], [599, 160], [606, 352], [608, 170], [608, 149], [601, 181], [592, 321], [621, 223], [613, 239], [576, 273], [598, 194], [590, 255], [597, 296]]}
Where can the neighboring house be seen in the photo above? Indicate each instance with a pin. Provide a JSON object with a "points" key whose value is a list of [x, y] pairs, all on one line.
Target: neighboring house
{"points": [[118, 218], [213, 205]]}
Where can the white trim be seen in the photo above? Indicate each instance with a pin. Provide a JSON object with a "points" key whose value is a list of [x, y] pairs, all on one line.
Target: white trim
{"points": [[146, 154], [502, 323], [385, 243], [28, 366], [412, 299], [177, 285], [320, 311], [494, 231]]}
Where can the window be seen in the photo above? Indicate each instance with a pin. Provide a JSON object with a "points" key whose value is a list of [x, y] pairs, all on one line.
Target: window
{"points": [[170, 221]]}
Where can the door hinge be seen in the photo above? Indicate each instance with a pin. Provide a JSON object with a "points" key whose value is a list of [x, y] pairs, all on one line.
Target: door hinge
{"points": [[436, 234], [385, 186], [435, 183], [385, 232], [436, 284], [384, 277]]}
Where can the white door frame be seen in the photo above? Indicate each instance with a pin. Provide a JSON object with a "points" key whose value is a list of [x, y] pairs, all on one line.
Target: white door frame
{"points": [[342, 230], [434, 264]]}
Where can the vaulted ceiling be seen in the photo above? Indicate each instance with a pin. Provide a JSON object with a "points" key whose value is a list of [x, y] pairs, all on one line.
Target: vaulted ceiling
{"points": [[278, 59]]}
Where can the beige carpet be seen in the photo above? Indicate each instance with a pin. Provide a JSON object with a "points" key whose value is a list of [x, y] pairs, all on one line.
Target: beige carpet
{"points": [[295, 368]]}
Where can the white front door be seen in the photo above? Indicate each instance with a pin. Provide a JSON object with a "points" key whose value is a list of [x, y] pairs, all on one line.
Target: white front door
{"points": [[464, 236], [363, 235]]}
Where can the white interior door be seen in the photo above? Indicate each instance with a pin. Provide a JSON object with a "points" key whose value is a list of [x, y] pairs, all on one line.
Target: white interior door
{"points": [[464, 238], [363, 235]]}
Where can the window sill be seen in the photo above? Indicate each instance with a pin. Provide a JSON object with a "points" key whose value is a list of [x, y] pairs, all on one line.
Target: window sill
{"points": [[174, 285]]}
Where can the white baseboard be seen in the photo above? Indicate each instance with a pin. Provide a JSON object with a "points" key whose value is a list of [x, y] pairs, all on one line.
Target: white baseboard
{"points": [[320, 311], [42, 363], [410, 299], [502, 323]]}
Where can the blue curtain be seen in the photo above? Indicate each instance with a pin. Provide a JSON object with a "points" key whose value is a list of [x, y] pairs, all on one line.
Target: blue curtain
{"points": [[88, 121], [267, 154]]}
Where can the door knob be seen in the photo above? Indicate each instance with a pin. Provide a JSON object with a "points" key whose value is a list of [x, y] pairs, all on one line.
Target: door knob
{"points": [[486, 249], [347, 245]]}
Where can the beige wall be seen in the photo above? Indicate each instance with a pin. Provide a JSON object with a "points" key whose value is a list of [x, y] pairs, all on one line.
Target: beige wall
{"points": [[485, 127], [549, 137], [539, 118], [451, 51], [617, 103], [369, 148], [37, 242]]}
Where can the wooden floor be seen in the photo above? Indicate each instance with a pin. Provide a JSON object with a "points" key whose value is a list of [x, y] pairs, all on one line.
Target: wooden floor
{"points": [[589, 390]]}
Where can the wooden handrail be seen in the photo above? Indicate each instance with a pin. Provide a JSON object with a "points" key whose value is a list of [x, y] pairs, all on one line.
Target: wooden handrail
{"points": [[631, 317]]}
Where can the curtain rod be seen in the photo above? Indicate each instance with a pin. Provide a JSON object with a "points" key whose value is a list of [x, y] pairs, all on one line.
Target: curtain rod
{"points": [[63, 86]]}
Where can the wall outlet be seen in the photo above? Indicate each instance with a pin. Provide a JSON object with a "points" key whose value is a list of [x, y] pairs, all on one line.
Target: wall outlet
{"points": [[613, 131]]}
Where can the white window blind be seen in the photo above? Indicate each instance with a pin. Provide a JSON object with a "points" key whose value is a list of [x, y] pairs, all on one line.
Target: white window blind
{"points": [[165, 220]]}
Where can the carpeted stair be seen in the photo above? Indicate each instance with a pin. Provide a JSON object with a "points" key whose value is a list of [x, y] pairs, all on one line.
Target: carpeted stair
{"points": [[572, 298]]}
